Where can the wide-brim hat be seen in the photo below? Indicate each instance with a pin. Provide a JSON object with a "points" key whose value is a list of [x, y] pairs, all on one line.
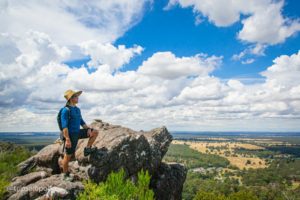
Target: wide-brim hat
{"points": [[69, 93]]}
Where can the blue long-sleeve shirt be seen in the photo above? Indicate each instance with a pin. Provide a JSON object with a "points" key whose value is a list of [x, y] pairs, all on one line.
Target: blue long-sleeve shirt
{"points": [[75, 121]]}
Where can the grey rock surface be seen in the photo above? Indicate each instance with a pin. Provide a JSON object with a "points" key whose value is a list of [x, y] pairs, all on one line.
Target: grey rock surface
{"points": [[118, 147]]}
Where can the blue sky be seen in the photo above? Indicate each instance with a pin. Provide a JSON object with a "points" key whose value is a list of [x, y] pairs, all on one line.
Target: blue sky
{"points": [[194, 65], [175, 30]]}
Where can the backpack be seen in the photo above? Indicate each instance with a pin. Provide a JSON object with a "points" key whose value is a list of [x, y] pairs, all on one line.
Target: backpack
{"points": [[58, 118]]}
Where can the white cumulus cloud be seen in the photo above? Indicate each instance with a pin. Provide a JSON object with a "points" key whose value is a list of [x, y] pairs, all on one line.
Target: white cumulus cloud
{"points": [[263, 22], [165, 89], [108, 54], [70, 22], [167, 65]]}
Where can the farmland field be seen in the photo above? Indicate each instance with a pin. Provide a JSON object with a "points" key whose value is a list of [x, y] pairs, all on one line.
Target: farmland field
{"points": [[257, 165], [260, 166]]}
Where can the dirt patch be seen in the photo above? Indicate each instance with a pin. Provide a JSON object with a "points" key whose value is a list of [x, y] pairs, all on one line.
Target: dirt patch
{"points": [[244, 162]]}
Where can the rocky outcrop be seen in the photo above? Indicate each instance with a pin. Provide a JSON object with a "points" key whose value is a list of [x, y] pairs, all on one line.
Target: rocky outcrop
{"points": [[168, 180], [118, 147]]}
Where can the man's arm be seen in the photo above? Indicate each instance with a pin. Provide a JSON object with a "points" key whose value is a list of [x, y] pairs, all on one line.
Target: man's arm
{"points": [[82, 122], [66, 133], [64, 123]]}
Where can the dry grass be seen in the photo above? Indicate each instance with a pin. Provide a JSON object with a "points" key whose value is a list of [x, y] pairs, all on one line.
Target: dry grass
{"points": [[264, 141], [253, 139], [203, 146], [295, 184], [214, 138], [238, 161]]}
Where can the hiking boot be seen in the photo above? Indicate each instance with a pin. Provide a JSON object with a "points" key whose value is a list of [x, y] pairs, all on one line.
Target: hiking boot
{"points": [[67, 176], [89, 150]]}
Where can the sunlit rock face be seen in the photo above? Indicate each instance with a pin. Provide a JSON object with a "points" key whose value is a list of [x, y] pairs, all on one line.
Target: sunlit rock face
{"points": [[117, 147]]}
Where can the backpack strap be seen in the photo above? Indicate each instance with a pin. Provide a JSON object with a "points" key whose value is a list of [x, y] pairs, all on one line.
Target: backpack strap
{"points": [[68, 108]]}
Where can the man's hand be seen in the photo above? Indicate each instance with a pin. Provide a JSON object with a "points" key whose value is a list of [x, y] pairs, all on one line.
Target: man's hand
{"points": [[68, 143], [89, 130], [85, 126]]}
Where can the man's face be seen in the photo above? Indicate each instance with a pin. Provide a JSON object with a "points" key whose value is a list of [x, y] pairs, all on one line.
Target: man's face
{"points": [[74, 98]]}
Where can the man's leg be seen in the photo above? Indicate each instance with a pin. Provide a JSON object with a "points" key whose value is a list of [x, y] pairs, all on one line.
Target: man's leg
{"points": [[65, 162], [68, 156], [66, 176], [92, 138]]}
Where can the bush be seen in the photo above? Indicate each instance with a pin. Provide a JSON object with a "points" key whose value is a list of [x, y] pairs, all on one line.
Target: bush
{"points": [[196, 183], [3, 184], [10, 156], [117, 188], [243, 194], [202, 195]]}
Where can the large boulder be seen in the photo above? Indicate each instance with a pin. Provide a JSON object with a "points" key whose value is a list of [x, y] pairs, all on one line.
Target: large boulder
{"points": [[167, 182], [118, 147]]}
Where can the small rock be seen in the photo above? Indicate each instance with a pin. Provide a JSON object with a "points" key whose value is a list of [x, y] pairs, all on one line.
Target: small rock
{"points": [[56, 192]]}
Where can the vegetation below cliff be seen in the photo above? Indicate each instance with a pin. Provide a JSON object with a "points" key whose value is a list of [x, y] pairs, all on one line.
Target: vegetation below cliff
{"points": [[211, 176], [10, 156], [117, 187]]}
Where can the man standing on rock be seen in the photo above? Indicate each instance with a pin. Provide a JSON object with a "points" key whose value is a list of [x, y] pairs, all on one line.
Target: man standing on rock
{"points": [[71, 120]]}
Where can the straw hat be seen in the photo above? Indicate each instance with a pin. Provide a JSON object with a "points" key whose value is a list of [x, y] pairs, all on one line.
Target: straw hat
{"points": [[69, 93]]}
